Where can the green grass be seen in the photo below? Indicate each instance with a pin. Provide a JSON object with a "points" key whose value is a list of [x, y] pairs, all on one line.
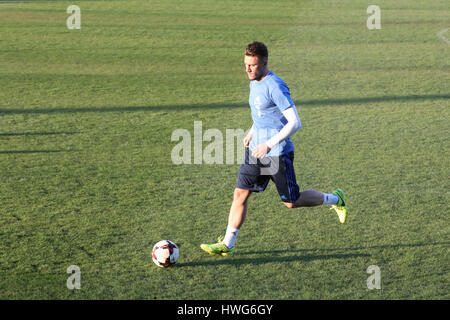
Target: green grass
{"points": [[86, 176]]}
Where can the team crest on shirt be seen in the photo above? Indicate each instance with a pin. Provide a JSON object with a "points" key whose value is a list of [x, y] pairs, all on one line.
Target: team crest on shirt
{"points": [[258, 104]]}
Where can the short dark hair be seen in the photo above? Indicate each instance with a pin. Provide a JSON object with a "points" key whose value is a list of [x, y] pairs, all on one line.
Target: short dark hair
{"points": [[258, 49]]}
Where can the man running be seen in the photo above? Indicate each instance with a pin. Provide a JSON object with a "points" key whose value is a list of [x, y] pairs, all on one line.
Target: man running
{"points": [[270, 151]]}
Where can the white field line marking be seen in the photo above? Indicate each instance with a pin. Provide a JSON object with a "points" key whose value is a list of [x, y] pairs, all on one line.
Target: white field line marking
{"points": [[440, 35]]}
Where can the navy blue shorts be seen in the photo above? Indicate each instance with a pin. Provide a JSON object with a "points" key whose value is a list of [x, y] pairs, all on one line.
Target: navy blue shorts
{"points": [[255, 174]]}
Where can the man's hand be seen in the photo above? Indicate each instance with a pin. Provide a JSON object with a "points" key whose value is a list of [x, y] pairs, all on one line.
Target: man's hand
{"points": [[247, 140], [260, 150]]}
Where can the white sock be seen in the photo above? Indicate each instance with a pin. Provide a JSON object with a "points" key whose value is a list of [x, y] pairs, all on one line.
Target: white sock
{"points": [[230, 237], [329, 198]]}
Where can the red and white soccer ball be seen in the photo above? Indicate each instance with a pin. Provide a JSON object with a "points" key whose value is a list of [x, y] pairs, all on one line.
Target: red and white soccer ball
{"points": [[165, 253]]}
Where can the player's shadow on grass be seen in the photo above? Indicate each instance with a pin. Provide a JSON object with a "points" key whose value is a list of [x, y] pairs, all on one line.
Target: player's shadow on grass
{"points": [[353, 249], [288, 256], [269, 258], [322, 102]]}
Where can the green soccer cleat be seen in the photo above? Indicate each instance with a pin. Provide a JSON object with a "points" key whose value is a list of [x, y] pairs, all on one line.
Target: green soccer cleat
{"points": [[218, 248], [340, 208]]}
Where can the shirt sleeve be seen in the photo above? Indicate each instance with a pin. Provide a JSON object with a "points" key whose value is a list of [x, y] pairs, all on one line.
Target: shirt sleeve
{"points": [[281, 96]]}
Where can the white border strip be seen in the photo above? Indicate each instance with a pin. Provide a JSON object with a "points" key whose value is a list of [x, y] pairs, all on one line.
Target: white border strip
{"points": [[440, 35]]}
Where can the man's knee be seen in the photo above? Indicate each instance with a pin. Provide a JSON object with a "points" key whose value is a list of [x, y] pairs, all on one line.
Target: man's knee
{"points": [[241, 195]]}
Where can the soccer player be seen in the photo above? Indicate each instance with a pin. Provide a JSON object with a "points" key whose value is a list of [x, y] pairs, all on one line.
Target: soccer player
{"points": [[269, 151]]}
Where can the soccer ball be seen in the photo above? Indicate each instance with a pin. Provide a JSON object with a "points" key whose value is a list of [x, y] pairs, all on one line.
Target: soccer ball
{"points": [[165, 253]]}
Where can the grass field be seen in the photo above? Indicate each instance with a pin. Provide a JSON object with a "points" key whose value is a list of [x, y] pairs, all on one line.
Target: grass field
{"points": [[86, 176]]}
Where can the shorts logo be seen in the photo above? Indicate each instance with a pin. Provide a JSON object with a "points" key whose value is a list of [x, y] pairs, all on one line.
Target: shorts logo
{"points": [[283, 197]]}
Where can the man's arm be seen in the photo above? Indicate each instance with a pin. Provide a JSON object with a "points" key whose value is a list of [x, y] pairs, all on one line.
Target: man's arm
{"points": [[248, 137], [289, 128]]}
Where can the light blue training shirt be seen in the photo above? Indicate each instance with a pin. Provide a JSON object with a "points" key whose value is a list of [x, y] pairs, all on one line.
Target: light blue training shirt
{"points": [[268, 99]]}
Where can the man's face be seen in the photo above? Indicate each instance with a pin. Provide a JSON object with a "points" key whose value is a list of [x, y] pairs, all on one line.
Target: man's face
{"points": [[254, 67]]}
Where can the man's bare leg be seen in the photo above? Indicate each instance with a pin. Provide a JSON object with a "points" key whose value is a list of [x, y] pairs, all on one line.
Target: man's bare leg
{"points": [[236, 218], [238, 208], [307, 198]]}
